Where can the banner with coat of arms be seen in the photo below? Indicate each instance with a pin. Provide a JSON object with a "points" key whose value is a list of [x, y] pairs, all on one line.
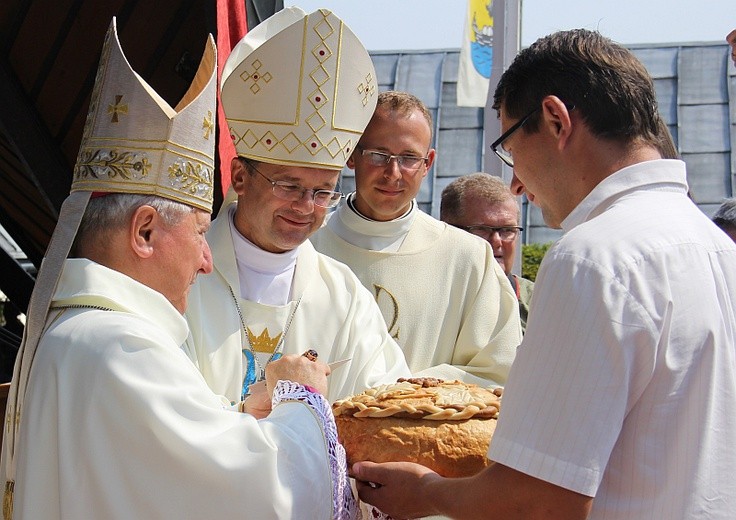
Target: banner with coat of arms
{"points": [[476, 55]]}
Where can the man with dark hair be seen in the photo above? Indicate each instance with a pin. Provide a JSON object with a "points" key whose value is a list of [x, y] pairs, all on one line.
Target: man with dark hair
{"points": [[621, 403]]}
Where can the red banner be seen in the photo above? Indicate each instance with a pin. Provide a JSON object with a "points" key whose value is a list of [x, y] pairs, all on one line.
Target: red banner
{"points": [[231, 27]]}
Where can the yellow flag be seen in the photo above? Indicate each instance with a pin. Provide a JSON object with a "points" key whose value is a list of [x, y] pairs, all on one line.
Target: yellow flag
{"points": [[476, 55]]}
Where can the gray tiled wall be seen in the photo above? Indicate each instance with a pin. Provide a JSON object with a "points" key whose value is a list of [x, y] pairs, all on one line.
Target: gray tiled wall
{"points": [[696, 91]]}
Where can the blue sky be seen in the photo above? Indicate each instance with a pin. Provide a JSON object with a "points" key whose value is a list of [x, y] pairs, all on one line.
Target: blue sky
{"points": [[438, 24]]}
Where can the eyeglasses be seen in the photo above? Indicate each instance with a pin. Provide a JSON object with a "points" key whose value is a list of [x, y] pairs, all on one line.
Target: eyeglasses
{"points": [[407, 163], [506, 233], [293, 192], [497, 146]]}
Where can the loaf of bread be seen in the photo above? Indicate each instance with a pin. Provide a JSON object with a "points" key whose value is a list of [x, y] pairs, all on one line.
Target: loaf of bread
{"points": [[444, 425]]}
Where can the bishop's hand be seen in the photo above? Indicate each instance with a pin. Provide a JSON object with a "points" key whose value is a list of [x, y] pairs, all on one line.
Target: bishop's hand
{"points": [[258, 401], [298, 369]]}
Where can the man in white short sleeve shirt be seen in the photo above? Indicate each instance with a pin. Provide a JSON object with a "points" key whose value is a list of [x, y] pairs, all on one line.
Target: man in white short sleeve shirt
{"points": [[621, 403]]}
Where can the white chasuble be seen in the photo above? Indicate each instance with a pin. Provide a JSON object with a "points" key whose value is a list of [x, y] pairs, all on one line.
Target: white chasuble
{"points": [[265, 328], [443, 296], [337, 317], [118, 423]]}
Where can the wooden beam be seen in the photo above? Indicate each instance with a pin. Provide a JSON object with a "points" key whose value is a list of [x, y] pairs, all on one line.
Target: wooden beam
{"points": [[43, 162]]}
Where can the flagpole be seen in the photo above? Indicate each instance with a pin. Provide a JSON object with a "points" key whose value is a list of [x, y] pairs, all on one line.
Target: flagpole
{"points": [[506, 45]]}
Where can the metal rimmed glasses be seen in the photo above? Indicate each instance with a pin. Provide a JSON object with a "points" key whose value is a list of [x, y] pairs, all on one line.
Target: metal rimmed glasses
{"points": [[505, 233], [406, 163], [497, 146], [293, 192]]}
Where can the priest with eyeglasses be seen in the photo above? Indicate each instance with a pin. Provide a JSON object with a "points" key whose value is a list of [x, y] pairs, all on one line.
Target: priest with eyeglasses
{"points": [[297, 92], [443, 295]]}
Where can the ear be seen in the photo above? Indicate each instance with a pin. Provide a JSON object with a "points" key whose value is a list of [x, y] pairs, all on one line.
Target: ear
{"points": [[143, 231], [351, 159], [430, 160], [556, 118], [238, 172]]}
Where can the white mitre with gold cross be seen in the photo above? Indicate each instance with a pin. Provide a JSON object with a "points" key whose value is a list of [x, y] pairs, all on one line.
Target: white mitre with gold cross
{"points": [[133, 142], [299, 90]]}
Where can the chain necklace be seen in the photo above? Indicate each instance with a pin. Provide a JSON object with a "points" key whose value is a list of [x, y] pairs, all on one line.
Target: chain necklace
{"points": [[80, 306], [253, 364]]}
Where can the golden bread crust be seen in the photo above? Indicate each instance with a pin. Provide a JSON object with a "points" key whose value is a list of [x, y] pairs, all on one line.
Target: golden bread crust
{"points": [[443, 401], [445, 426]]}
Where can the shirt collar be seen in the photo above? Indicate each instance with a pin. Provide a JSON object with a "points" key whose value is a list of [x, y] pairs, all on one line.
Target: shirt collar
{"points": [[256, 259], [657, 175], [366, 233]]}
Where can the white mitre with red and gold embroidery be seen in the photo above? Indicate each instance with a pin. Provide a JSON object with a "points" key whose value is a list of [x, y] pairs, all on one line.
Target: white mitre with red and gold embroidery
{"points": [[135, 142], [299, 90]]}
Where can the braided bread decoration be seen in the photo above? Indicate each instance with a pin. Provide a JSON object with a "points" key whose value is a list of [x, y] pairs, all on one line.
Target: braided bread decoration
{"points": [[423, 398]]}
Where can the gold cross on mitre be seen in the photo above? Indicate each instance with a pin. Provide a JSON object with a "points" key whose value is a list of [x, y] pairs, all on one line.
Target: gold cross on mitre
{"points": [[207, 124], [117, 108]]}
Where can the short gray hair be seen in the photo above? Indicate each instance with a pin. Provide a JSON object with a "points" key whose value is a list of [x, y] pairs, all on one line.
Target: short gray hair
{"points": [[114, 210], [484, 185]]}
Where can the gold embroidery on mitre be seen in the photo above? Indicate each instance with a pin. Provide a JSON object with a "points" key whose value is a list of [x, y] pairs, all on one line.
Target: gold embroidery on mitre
{"points": [[121, 154], [186, 176], [97, 89], [367, 90], [208, 125], [117, 108], [11, 412], [316, 122], [111, 163], [8, 499], [319, 76], [254, 77], [393, 328], [263, 343], [9, 419], [331, 107]]}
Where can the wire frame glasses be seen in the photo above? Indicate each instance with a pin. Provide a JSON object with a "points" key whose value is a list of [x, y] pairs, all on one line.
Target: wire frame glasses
{"points": [[406, 163], [293, 192], [505, 233], [497, 146]]}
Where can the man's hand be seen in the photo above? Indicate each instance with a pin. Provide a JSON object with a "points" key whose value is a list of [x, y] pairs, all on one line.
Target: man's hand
{"points": [[258, 402], [298, 369], [407, 490], [387, 486]]}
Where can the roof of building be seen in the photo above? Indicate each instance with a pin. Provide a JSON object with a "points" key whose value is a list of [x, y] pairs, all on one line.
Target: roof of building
{"points": [[696, 92]]}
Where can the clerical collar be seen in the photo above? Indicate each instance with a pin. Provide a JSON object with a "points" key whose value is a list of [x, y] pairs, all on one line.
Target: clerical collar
{"points": [[265, 277], [353, 227]]}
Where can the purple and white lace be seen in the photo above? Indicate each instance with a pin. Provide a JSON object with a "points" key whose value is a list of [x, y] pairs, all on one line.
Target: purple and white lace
{"points": [[344, 505]]}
